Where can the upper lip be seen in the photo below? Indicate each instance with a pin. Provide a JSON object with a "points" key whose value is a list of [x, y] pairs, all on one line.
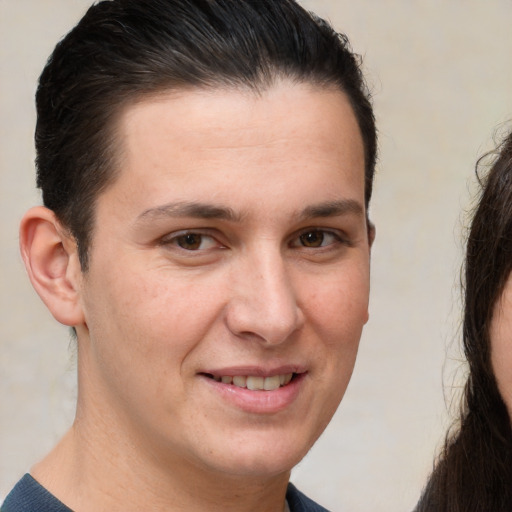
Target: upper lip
{"points": [[257, 371]]}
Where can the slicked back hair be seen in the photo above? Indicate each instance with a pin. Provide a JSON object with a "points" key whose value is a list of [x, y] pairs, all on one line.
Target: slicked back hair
{"points": [[123, 50]]}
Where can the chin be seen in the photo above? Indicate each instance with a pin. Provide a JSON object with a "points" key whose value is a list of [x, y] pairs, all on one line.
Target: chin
{"points": [[262, 461], [257, 469]]}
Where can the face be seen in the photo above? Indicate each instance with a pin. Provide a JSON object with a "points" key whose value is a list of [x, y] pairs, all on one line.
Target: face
{"points": [[229, 277], [501, 348]]}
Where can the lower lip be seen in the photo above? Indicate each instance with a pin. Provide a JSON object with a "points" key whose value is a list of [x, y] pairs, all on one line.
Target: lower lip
{"points": [[259, 402]]}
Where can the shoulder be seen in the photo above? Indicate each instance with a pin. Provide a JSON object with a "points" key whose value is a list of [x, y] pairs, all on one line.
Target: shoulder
{"points": [[299, 502]]}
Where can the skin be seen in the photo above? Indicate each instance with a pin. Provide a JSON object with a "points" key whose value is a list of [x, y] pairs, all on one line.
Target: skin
{"points": [[234, 241], [501, 349]]}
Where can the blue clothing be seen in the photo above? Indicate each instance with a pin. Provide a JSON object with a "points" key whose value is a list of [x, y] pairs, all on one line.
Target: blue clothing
{"points": [[30, 496], [298, 502]]}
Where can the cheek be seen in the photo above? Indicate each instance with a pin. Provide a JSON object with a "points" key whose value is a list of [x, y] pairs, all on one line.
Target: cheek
{"points": [[501, 351], [154, 318], [337, 314], [142, 332], [339, 306]]}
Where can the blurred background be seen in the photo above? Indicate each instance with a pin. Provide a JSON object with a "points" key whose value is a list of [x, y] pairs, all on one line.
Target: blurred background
{"points": [[441, 79]]}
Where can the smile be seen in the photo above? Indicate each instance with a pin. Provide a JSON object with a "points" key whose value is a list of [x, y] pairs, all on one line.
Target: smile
{"points": [[253, 382], [256, 393], [256, 383]]}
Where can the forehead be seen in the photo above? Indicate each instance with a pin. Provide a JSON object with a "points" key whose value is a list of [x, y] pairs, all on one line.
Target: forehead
{"points": [[237, 111], [208, 139]]}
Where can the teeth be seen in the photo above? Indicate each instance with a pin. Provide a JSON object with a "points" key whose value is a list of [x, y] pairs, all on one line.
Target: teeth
{"points": [[255, 383], [271, 383], [241, 382]]}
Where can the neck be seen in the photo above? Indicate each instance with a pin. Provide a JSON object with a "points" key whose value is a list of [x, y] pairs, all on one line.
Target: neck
{"points": [[87, 474]]}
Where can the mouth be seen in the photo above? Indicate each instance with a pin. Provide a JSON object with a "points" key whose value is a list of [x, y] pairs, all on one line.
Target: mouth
{"points": [[254, 382]]}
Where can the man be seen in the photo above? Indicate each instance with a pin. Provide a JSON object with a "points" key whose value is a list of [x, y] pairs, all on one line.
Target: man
{"points": [[206, 168]]}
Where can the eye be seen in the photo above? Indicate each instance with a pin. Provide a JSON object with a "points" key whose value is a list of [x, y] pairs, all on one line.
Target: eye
{"points": [[317, 238], [191, 241]]}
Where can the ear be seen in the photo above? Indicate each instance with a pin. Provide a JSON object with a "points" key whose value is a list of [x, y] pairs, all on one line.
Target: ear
{"points": [[371, 232], [371, 237], [51, 259]]}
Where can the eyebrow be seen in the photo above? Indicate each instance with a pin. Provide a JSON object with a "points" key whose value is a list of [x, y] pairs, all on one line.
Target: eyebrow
{"points": [[191, 209], [211, 211], [332, 209]]}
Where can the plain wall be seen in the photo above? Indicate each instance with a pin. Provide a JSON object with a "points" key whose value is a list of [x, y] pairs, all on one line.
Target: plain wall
{"points": [[442, 82]]}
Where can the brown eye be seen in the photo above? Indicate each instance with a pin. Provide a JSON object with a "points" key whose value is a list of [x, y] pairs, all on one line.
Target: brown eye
{"points": [[312, 239], [190, 241]]}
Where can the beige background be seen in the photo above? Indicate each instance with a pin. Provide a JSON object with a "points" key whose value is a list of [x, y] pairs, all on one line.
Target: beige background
{"points": [[442, 79]]}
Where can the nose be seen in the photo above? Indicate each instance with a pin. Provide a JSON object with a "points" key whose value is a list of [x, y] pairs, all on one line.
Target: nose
{"points": [[264, 303]]}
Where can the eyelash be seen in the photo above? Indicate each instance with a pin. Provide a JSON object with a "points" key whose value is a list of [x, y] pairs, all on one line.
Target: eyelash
{"points": [[174, 238], [337, 238]]}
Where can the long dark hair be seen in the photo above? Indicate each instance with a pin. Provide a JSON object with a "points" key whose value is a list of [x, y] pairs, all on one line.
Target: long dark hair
{"points": [[474, 471]]}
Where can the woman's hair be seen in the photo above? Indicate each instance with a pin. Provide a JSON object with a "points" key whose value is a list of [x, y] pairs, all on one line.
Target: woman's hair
{"points": [[474, 471], [124, 50]]}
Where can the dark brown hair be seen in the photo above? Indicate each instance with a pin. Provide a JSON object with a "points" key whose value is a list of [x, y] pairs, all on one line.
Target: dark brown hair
{"points": [[474, 471], [124, 49]]}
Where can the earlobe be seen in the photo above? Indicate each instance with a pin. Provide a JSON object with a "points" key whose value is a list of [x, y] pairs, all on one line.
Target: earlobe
{"points": [[52, 264]]}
